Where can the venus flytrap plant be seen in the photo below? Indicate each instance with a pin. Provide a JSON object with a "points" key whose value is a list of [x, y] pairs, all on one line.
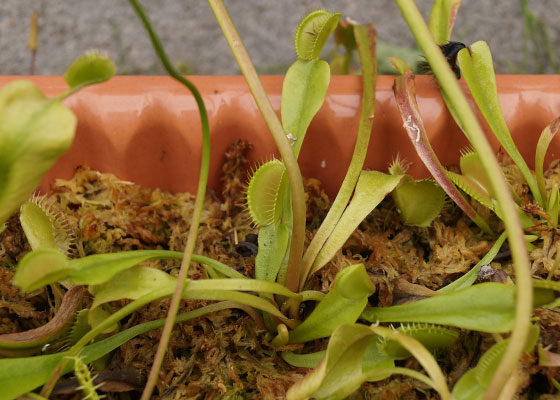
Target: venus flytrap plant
{"points": [[523, 290], [279, 135], [405, 97], [303, 92], [343, 369], [114, 276], [356, 353], [366, 48], [473, 180], [268, 194], [485, 307], [380, 354], [476, 65]]}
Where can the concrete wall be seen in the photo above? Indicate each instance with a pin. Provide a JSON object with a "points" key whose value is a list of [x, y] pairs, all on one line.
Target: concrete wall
{"points": [[191, 34]]}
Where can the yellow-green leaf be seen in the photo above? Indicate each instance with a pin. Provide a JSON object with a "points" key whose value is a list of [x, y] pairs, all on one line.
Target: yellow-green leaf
{"points": [[34, 132]]}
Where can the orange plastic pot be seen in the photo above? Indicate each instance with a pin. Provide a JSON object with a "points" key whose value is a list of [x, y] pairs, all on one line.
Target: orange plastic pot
{"points": [[147, 129]]}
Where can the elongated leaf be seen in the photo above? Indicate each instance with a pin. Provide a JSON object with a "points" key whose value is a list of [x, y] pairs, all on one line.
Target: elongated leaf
{"points": [[34, 132], [372, 187], [545, 284], [342, 305], [132, 284], [478, 71], [21, 375], [139, 281], [95, 269], [546, 137], [100, 268], [405, 96], [487, 307], [251, 285], [470, 277], [237, 297], [218, 266], [442, 19], [365, 36]]}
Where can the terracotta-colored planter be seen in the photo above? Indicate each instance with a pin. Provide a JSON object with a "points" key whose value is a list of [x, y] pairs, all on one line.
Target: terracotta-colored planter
{"points": [[147, 129]]}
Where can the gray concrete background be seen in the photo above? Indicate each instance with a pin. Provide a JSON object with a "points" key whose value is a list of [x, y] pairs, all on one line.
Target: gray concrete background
{"points": [[192, 36]]}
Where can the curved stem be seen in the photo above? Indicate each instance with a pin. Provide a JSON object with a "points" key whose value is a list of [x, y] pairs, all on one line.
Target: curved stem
{"points": [[455, 96], [198, 205], [275, 127]]}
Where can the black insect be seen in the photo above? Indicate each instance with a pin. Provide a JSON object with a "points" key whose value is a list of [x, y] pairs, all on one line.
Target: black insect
{"points": [[249, 246], [450, 51]]}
